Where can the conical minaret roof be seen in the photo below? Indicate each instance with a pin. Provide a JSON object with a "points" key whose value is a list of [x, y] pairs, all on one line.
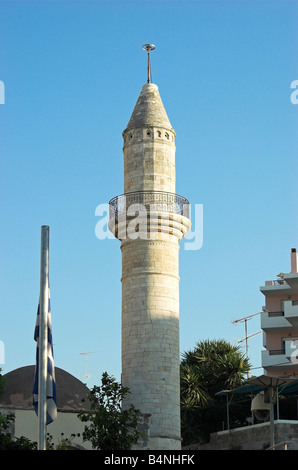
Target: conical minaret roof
{"points": [[149, 110]]}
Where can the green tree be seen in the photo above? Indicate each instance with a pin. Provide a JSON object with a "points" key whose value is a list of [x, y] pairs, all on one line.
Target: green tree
{"points": [[210, 367], [109, 426], [65, 443]]}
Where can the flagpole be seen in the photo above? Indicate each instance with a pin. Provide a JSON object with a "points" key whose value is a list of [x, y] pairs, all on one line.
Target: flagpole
{"points": [[43, 337]]}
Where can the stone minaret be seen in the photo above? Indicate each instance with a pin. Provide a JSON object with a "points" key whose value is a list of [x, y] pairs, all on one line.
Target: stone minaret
{"points": [[150, 219]]}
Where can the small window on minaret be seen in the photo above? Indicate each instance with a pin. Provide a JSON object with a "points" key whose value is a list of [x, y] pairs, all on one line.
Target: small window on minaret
{"points": [[130, 136], [159, 133], [148, 133], [167, 135]]}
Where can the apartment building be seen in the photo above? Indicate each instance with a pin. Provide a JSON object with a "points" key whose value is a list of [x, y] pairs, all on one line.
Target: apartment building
{"points": [[279, 322]]}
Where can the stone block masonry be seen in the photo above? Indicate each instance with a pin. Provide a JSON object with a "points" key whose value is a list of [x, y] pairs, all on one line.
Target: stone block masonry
{"points": [[150, 335], [150, 274]]}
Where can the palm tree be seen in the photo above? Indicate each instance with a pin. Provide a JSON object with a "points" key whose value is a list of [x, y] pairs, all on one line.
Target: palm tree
{"points": [[210, 367]]}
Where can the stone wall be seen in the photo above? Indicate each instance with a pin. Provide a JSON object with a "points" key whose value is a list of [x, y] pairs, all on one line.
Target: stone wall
{"points": [[255, 437]]}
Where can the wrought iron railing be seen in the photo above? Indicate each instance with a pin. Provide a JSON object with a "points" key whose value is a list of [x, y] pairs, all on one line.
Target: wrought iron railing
{"points": [[151, 200]]}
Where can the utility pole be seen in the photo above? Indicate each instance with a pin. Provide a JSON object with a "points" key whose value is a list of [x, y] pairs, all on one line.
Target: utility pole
{"points": [[86, 376], [241, 320]]}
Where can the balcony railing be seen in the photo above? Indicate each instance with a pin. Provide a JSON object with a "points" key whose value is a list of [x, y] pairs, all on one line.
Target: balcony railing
{"points": [[275, 282], [276, 314], [151, 200], [276, 352]]}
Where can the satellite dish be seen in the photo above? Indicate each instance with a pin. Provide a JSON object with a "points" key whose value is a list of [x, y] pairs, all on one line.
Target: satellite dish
{"points": [[260, 409]]}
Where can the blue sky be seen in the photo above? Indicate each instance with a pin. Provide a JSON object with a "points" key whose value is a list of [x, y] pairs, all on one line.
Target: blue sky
{"points": [[72, 72]]}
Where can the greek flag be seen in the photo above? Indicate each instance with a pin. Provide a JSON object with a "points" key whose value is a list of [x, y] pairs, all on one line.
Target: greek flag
{"points": [[50, 384]]}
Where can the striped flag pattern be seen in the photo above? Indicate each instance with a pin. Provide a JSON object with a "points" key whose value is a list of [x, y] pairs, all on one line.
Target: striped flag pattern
{"points": [[51, 384]]}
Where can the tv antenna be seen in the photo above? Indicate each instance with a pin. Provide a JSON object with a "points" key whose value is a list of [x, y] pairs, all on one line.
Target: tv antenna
{"points": [[86, 376], [246, 337], [148, 48]]}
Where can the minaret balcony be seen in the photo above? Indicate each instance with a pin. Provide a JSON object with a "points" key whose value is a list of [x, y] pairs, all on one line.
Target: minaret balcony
{"points": [[149, 214], [152, 200]]}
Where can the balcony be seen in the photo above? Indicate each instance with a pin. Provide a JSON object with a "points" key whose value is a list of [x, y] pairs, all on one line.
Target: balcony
{"points": [[158, 201], [149, 215], [274, 359], [291, 312], [284, 358], [275, 287], [286, 320], [275, 321]]}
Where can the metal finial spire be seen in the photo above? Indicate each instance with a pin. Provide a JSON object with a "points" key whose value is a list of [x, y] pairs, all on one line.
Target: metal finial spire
{"points": [[149, 48]]}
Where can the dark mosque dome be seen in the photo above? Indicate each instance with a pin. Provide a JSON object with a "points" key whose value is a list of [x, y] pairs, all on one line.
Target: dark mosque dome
{"points": [[19, 384]]}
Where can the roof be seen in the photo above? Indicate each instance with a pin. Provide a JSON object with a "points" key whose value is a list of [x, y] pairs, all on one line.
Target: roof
{"points": [[287, 285], [149, 110], [18, 390], [285, 386]]}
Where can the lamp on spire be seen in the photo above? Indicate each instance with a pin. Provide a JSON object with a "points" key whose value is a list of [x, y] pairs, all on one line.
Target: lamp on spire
{"points": [[149, 48]]}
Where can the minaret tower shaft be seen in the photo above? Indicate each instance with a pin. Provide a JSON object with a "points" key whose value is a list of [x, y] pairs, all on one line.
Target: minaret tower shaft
{"points": [[150, 219]]}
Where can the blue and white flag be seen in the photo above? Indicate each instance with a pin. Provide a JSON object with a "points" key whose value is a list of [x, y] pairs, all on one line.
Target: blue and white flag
{"points": [[51, 384]]}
